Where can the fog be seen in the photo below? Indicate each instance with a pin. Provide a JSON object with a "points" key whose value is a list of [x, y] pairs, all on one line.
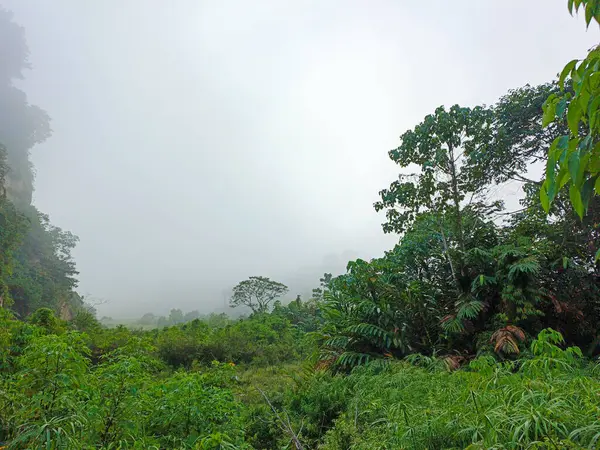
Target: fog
{"points": [[197, 143]]}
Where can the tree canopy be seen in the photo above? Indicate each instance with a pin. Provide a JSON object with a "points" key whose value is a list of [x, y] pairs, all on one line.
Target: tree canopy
{"points": [[257, 293]]}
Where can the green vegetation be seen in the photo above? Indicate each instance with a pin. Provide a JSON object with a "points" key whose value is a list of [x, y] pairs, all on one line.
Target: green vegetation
{"points": [[574, 156], [480, 329], [36, 268], [240, 385], [116, 388]]}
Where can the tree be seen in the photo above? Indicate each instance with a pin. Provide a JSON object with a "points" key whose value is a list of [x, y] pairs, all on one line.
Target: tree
{"points": [[458, 281], [13, 226], [191, 315], [317, 293], [570, 277], [518, 137], [440, 147], [44, 272], [147, 319], [448, 184], [176, 316], [257, 293]]}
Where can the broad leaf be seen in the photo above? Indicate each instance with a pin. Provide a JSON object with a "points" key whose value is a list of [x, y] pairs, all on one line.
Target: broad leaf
{"points": [[573, 117], [575, 196], [565, 72]]}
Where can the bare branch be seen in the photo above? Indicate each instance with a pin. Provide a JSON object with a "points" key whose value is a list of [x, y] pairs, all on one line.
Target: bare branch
{"points": [[284, 425]]}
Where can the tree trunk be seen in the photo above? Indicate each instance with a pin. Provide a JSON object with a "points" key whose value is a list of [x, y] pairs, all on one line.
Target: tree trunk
{"points": [[458, 212], [447, 253]]}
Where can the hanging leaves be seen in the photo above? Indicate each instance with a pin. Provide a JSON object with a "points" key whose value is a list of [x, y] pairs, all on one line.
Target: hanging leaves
{"points": [[575, 157]]}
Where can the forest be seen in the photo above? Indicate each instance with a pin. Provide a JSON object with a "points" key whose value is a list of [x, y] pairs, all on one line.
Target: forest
{"points": [[480, 329]]}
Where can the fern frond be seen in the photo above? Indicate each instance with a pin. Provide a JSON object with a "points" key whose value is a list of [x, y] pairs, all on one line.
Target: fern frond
{"points": [[453, 362], [481, 281]]}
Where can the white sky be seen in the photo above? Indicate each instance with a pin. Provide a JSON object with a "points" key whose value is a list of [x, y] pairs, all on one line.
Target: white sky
{"points": [[197, 143]]}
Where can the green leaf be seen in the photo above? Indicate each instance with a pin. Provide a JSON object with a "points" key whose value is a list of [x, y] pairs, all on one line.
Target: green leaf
{"points": [[549, 108], [583, 163], [573, 145], [563, 177], [574, 165], [575, 197], [561, 107], [559, 147], [593, 112], [594, 79], [573, 115], [589, 13], [597, 257], [565, 262], [551, 163], [552, 189], [585, 143], [565, 72], [587, 191], [584, 100], [570, 6], [544, 197], [597, 186]]}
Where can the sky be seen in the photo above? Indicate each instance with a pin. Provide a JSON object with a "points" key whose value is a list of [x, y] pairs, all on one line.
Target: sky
{"points": [[197, 143]]}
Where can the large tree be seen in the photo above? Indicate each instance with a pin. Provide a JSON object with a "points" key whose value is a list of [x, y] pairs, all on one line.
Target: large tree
{"points": [[257, 293], [446, 185], [518, 138]]}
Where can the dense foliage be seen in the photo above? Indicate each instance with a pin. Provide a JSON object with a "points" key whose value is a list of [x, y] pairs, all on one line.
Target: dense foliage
{"points": [[467, 277], [574, 157], [179, 387]]}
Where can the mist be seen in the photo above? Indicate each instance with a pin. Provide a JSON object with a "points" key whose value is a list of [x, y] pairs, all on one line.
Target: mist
{"points": [[198, 143]]}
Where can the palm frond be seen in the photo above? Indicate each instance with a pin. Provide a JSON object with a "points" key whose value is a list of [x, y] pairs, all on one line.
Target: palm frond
{"points": [[525, 266], [470, 309], [370, 331], [352, 359], [452, 324], [506, 340]]}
